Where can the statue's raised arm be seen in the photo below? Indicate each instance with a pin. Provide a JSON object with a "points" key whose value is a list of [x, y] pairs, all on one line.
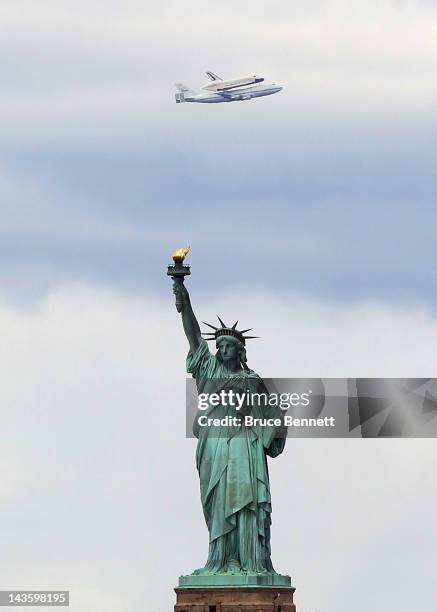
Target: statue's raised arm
{"points": [[178, 271], [190, 323]]}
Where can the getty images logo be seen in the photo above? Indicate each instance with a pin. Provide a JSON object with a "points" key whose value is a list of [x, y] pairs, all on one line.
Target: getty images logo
{"points": [[239, 400]]}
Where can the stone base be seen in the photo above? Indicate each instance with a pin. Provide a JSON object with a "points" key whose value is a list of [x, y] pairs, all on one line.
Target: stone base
{"points": [[235, 599]]}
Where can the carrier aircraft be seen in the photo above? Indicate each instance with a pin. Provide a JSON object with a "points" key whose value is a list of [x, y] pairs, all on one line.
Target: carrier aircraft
{"points": [[230, 90]]}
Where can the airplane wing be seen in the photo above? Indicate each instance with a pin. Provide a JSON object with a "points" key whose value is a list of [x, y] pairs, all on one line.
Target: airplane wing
{"points": [[234, 95], [225, 94], [214, 77]]}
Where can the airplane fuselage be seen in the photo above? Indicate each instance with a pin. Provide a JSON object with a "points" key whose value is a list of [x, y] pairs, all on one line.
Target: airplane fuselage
{"points": [[234, 95]]}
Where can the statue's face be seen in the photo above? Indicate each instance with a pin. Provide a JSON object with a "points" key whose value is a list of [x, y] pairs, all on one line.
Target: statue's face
{"points": [[229, 351]]}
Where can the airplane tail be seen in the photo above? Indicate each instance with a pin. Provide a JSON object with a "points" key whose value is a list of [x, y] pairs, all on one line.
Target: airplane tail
{"points": [[183, 91]]}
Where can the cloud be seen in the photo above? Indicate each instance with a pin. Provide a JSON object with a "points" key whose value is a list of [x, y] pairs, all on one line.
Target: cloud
{"points": [[100, 478], [345, 227], [95, 73], [102, 174]]}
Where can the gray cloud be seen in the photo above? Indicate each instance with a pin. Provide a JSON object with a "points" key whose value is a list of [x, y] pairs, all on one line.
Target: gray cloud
{"points": [[73, 74], [350, 227], [102, 174]]}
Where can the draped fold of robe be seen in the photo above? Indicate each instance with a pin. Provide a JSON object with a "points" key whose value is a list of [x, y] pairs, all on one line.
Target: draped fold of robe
{"points": [[232, 466]]}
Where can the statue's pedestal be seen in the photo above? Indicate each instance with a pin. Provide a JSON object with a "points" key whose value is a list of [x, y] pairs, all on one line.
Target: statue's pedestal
{"points": [[235, 599]]}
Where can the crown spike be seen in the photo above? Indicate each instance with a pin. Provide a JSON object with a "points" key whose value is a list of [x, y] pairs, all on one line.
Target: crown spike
{"points": [[224, 330], [211, 326]]}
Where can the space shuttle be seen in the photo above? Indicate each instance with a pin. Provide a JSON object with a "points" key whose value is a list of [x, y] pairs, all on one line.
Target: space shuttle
{"points": [[229, 90], [219, 84]]}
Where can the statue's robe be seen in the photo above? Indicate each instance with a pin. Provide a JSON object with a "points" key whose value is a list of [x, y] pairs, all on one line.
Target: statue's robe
{"points": [[232, 466]]}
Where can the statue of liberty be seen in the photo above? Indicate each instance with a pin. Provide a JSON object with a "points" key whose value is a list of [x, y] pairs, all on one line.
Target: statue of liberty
{"points": [[231, 460]]}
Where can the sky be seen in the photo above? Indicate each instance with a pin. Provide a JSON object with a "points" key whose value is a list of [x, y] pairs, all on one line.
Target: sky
{"points": [[310, 216]]}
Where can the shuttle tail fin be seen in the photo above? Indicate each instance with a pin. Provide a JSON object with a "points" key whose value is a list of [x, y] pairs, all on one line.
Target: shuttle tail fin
{"points": [[213, 76]]}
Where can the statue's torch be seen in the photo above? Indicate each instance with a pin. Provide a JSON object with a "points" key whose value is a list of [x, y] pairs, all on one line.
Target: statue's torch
{"points": [[178, 271]]}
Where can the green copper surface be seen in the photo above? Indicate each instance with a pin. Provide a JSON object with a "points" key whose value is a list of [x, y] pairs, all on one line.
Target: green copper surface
{"points": [[232, 466], [227, 580]]}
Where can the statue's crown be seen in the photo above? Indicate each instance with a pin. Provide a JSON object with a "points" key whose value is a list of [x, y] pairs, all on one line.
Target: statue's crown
{"points": [[224, 330]]}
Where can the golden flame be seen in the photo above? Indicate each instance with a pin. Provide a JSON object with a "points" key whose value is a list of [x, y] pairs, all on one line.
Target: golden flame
{"points": [[180, 254]]}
